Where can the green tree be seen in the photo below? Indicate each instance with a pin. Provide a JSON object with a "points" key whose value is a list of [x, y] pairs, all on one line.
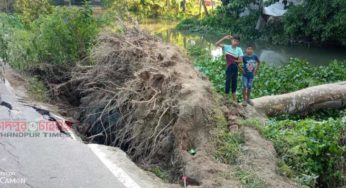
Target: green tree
{"points": [[318, 21]]}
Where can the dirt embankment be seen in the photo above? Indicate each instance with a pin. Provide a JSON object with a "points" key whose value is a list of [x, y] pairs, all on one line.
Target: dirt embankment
{"points": [[145, 96]]}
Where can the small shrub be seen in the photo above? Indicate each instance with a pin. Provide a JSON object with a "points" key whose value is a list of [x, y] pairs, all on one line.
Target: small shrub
{"points": [[65, 35], [20, 51], [62, 37], [7, 24]]}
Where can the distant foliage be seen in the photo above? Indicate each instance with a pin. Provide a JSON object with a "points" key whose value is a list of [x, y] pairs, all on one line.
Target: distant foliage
{"points": [[235, 7], [318, 20], [170, 9], [315, 21], [223, 24], [29, 10]]}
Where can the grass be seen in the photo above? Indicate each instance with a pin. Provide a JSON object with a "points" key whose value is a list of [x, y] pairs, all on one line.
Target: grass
{"points": [[37, 90], [249, 179], [228, 144]]}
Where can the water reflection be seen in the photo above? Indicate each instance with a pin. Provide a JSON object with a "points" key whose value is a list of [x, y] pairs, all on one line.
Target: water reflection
{"points": [[274, 55]]}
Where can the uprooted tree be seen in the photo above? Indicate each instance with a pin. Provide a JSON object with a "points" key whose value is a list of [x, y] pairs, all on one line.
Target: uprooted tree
{"points": [[145, 96], [328, 96]]}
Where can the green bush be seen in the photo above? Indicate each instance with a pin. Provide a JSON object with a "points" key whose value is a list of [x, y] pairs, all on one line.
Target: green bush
{"points": [[8, 23], [54, 40], [64, 36], [313, 150], [20, 51]]}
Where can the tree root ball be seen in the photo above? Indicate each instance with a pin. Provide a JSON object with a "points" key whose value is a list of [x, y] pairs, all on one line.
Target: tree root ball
{"points": [[146, 97]]}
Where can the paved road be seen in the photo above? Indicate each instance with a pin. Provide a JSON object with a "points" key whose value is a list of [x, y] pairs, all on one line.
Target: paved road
{"points": [[50, 159]]}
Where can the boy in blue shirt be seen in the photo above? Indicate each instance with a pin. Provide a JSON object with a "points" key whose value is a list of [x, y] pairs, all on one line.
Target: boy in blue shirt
{"points": [[250, 68], [233, 58]]}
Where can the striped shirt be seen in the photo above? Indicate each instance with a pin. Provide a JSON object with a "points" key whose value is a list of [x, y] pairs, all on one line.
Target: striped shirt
{"points": [[232, 54]]}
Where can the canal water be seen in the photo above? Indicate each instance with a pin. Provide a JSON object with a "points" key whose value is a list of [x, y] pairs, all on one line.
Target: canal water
{"points": [[272, 54]]}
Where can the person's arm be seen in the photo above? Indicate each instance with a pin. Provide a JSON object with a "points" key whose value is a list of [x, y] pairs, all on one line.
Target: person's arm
{"points": [[258, 65], [240, 56], [219, 43], [240, 62]]}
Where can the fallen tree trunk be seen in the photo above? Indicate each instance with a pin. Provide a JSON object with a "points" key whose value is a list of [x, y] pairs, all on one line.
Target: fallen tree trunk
{"points": [[328, 96]]}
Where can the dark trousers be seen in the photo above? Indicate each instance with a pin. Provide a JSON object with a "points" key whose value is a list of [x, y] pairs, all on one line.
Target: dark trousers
{"points": [[231, 78]]}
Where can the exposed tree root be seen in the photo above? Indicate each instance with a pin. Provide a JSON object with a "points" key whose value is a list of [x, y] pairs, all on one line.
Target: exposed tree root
{"points": [[145, 96]]}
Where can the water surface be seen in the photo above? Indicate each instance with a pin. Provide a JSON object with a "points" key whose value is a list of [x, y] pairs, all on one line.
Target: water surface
{"points": [[272, 54]]}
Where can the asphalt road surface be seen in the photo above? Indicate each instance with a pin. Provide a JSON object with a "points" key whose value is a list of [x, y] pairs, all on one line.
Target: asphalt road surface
{"points": [[35, 154]]}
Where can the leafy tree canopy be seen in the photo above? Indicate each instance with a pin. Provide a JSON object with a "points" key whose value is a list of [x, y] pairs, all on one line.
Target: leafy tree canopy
{"points": [[318, 20]]}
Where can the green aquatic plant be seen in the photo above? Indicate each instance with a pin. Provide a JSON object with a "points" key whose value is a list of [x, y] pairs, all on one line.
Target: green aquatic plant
{"points": [[310, 151], [272, 80]]}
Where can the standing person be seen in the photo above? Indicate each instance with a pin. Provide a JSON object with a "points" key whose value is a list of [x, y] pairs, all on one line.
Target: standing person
{"points": [[250, 68], [233, 55]]}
